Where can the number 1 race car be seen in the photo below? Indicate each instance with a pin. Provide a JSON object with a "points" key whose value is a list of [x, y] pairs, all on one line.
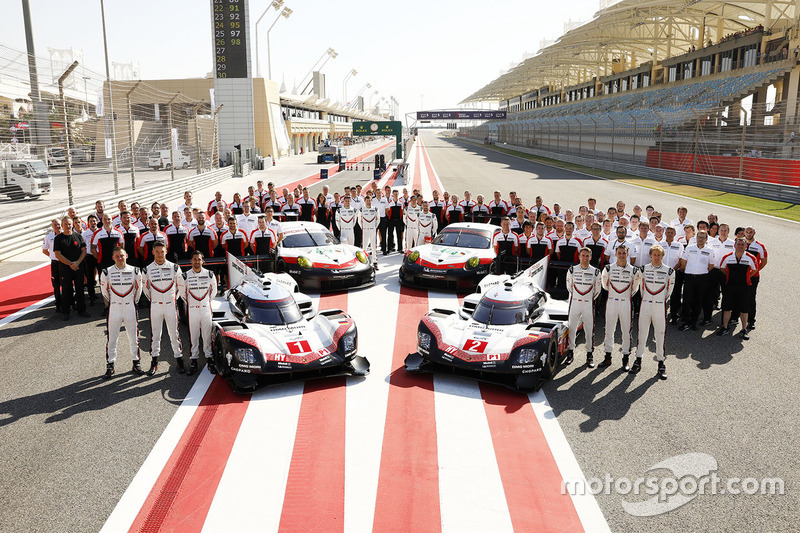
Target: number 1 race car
{"points": [[459, 256], [266, 332], [509, 332]]}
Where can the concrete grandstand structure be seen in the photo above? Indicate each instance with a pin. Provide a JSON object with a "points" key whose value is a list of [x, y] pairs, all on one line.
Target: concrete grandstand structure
{"points": [[700, 86]]}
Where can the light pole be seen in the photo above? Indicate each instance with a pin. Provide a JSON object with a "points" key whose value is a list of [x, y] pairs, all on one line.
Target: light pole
{"points": [[331, 53], [110, 112], [285, 13], [276, 5], [367, 85], [68, 158], [353, 72]]}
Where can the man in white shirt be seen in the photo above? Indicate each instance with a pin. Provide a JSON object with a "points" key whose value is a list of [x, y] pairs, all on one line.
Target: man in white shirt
{"points": [[696, 263]]}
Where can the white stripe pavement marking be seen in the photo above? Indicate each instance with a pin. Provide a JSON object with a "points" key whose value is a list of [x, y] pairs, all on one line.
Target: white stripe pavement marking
{"points": [[585, 504], [426, 188], [258, 466], [123, 515], [375, 313], [436, 181], [22, 312], [471, 493]]}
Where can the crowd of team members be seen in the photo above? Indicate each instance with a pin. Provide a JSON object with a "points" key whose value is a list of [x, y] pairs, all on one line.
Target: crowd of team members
{"points": [[621, 263]]}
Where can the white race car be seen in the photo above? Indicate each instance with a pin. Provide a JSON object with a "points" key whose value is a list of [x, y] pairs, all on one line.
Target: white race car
{"points": [[510, 332], [459, 256], [317, 261], [266, 331]]}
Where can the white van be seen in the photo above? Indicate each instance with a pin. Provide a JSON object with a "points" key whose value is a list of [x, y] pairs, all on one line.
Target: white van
{"points": [[24, 177], [158, 159]]}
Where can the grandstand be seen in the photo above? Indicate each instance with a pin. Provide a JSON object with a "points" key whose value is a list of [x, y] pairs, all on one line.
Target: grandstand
{"points": [[719, 86]]}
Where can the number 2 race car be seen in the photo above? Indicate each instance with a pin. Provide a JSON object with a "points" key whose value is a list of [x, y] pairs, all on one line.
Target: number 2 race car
{"points": [[509, 332], [266, 332], [457, 258]]}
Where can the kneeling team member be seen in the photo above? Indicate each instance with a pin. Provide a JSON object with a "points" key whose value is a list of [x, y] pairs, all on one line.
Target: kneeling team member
{"points": [[621, 280], [161, 288], [121, 287], [583, 284], [199, 286], [657, 282]]}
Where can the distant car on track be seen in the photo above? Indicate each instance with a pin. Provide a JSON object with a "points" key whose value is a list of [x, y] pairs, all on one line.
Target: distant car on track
{"points": [[509, 332]]}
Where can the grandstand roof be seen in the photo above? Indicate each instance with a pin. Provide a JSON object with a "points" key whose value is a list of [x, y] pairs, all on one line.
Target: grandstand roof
{"points": [[635, 31]]}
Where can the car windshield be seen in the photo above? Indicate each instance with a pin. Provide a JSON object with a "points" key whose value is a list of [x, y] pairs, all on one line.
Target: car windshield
{"points": [[38, 166], [463, 238], [309, 238], [274, 312], [497, 313]]}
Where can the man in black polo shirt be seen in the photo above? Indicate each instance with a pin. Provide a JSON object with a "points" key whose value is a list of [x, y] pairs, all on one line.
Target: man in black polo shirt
{"points": [[70, 251]]}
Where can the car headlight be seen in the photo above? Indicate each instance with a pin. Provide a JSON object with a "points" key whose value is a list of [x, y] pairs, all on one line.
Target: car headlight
{"points": [[362, 257], [527, 356], [424, 341], [413, 257], [473, 262], [304, 262], [245, 355], [349, 344]]}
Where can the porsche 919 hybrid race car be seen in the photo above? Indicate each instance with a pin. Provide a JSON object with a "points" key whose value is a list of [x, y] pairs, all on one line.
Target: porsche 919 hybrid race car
{"points": [[509, 332], [459, 256], [318, 262], [265, 331]]}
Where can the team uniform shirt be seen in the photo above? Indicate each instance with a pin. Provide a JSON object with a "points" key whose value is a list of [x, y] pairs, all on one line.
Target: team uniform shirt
{"points": [[235, 243], [130, 237], [557, 215], [370, 217], [760, 252], [261, 197], [104, 242], [276, 205], [427, 226], [88, 238], [176, 241], [598, 248], [357, 202], [539, 248], [395, 210], [672, 252], [741, 270], [698, 259], [141, 226], [555, 237], [621, 282], [189, 224], [146, 241], [480, 213], [582, 234], [507, 243], [219, 250], [721, 249], [611, 250], [324, 215], [382, 206], [237, 208], [524, 250], [411, 217], [512, 211], [214, 206], [567, 249], [467, 206], [203, 240], [678, 225], [47, 244], [539, 210], [498, 210], [308, 209], [290, 212], [247, 223], [516, 226], [262, 240], [642, 247]]}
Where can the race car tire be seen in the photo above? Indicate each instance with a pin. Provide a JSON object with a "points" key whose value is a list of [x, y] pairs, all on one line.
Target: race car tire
{"points": [[218, 353], [551, 363], [281, 266], [493, 267]]}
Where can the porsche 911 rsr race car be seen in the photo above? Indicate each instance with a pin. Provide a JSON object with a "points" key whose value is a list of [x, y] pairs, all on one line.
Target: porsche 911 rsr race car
{"points": [[457, 259], [318, 262], [509, 332], [265, 331]]}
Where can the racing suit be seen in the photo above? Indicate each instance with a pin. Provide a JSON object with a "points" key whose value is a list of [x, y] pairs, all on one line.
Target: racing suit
{"points": [[657, 284], [121, 289], [370, 220], [197, 290], [427, 227], [346, 222], [161, 288], [621, 282], [411, 220], [583, 286]]}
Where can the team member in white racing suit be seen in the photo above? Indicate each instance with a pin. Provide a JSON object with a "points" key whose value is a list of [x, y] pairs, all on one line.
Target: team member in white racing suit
{"points": [[427, 226], [161, 288], [370, 220], [121, 287], [657, 282], [198, 288], [583, 284], [621, 280], [411, 220], [346, 222]]}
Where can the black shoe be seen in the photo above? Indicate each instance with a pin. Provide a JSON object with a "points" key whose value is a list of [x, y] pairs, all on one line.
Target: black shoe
{"points": [[212, 367], [693, 327], [605, 362], [684, 327], [569, 357], [662, 370], [181, 367], [137, 368], [385, 252], [83, 314], [705, 323], [722, 331], [109, 371], [625, 358], [590, 360], [637, 366], [66, 317], [153, 367], [674, 320], [745, 336], [751, 326], [192, 368]]}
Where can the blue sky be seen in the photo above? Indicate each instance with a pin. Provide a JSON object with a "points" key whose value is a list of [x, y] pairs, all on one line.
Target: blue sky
{"points": [[444, 50]]}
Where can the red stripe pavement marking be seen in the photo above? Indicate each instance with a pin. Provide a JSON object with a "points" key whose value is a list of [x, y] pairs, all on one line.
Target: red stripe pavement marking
{"points": [[314, 499], [408, 483], [530, 475], [182, 495], [26, 289]]}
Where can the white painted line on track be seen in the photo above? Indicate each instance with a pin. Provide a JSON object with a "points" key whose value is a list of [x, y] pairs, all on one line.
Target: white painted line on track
{"points": [[425, 186], [375, 312], [129, 506], [471, 493], [251, 491], [22, 312], [585, 504]]}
